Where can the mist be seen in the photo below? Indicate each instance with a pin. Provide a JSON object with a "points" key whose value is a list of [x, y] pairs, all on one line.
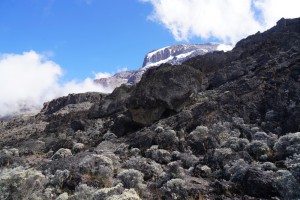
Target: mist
{"points": [[29, 79]]}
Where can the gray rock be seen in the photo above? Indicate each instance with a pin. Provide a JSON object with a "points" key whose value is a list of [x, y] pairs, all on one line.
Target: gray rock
{"points": [[63, 196], [77, 147], [62, 153], [202, 171]]}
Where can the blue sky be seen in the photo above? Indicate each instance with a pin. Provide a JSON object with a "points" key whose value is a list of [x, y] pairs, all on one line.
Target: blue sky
{"points": [[82, 36]]}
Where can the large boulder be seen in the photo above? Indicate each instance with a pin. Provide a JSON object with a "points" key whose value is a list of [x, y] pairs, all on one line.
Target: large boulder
{"points": [[163, 91]]}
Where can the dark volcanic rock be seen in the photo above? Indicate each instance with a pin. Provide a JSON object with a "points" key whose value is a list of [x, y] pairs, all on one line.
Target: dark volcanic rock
{"points": [[163, 91], [55, 105]]}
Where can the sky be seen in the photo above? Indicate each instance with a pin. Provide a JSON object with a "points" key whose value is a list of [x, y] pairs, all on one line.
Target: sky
{"points": [[49, 48]]}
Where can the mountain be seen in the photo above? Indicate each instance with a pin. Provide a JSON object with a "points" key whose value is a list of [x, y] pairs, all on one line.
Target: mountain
{"points": [[224, 125], [172, 54], [177, 54]]}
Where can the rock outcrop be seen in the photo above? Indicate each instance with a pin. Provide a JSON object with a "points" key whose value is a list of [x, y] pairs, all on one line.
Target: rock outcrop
{"points": [[224, 125]]}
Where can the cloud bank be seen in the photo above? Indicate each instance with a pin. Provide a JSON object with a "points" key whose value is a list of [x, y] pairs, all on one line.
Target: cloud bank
{"points": [[29, 79], [225, 20]]}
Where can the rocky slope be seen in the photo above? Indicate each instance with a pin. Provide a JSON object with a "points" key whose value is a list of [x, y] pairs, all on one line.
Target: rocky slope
{"points": [[218, 126]]}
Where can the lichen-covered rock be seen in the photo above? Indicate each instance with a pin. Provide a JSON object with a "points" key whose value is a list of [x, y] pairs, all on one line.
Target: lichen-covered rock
{"points": [[62, 153], [109, 136], [21, 183], [77, 147], [63, 196], [202, 171]]}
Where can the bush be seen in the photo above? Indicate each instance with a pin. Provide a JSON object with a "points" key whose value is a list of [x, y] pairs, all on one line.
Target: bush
{"points": [[288, 145], [293, 164], [258, 148], [166, 139], [147, 166], [21, 183], [132, 178], [97, 165], [236, 144], [174, 189], [201, 140], [287, 185], [159, 155]]}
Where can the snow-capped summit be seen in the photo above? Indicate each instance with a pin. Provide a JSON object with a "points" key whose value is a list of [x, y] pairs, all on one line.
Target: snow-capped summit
{"points": [[177, 54]]}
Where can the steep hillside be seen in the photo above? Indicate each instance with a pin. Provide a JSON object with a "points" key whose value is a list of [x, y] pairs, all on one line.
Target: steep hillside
{"points": [[224, 125]]}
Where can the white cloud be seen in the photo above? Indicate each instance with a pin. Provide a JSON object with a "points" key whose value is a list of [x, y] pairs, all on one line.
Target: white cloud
{"points": [[29, 79], [226, 20], [100, 75], [224, 47], [273, 10]]}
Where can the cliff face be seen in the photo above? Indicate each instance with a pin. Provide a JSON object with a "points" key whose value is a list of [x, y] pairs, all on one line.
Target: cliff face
{"points": [[224, 125]]}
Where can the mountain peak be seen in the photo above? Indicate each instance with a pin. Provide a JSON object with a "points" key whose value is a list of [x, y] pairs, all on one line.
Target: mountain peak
{"points": [[177, 54]]}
